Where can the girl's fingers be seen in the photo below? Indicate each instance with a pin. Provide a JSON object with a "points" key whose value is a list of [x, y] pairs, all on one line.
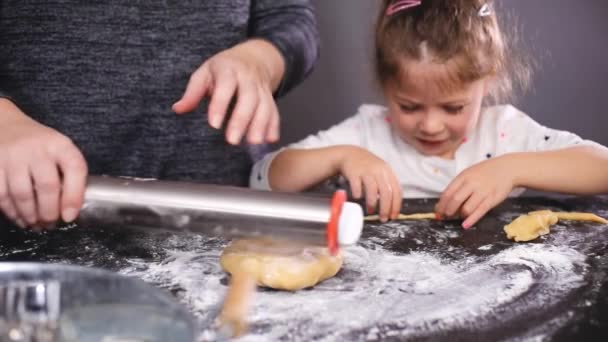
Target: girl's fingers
{"points": [[397, 198], [355, 187], [458, 198], [470, 206], [371, 193], [385, 190], [447, 194], [478, 213]]}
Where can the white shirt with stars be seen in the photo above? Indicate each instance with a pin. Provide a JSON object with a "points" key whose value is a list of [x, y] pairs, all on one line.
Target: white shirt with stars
{"points": [[500, 130]]}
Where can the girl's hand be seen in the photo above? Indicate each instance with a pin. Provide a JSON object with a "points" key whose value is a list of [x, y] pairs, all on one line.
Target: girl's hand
{"points": [[372, 176], [42, 173], [476, 190], [248, 72]]}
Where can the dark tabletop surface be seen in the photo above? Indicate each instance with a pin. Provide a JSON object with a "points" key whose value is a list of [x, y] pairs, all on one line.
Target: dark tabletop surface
{"points": [[563, 276]]}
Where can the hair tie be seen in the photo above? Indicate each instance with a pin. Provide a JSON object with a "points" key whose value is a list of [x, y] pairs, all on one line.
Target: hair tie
{"points": [[400, 5], [484, 10]]}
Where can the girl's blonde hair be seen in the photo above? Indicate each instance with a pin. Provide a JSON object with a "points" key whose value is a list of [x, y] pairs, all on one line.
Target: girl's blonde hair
{"points": [[462, 34]]}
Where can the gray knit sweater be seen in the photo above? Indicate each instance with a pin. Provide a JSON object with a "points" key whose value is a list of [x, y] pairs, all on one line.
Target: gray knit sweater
{"points": [[105, 73]]}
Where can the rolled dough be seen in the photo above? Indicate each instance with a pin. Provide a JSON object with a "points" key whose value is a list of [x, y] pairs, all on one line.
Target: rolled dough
{"points": [[280, 265], [536, 223], [574, 216], [232, 321], [417, 216]]}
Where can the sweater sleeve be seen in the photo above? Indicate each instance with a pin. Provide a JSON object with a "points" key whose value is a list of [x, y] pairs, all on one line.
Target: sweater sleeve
{"points": [[291, 26], [4, 95]]}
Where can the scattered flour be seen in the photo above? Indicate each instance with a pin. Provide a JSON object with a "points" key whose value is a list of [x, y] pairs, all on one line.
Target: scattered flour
{"points": [[379, 294]]}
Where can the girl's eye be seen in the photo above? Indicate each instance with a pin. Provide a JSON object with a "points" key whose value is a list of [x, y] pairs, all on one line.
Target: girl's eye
{"points": [[408, 109], [453, 109]]}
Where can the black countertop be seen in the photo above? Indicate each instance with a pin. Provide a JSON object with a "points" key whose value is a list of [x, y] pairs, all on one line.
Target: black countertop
{"points": [[406, 280]]}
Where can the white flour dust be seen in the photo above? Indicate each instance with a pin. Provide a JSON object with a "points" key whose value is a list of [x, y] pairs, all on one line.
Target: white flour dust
{"points": [[378, 294]]}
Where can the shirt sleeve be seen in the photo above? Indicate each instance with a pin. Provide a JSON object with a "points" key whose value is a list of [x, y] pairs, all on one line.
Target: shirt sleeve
{"points": [[292, 27], [521, 133], [349, 132], [258, 179]]}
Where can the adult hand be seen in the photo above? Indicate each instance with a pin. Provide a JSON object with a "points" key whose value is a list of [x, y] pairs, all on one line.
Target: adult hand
{"points": [[371, 175], [476, 190], [250, 71], [42, 173]]}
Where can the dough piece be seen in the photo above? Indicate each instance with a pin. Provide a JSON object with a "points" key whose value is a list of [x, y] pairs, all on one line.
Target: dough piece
{"points": [[418, 216], [280, 265], [529, 227], [536, 223]]}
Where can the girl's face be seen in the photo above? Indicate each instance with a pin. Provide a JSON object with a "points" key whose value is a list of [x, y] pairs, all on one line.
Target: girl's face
{"points": [[433, 120]]}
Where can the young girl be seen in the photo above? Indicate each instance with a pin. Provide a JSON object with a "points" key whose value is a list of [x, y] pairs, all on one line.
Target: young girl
{"points": [[438, 62]]}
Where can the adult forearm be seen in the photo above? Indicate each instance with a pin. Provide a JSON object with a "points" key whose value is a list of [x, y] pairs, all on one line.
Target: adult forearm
{"points": [[577, 170], [301, 169], [291, 26]]}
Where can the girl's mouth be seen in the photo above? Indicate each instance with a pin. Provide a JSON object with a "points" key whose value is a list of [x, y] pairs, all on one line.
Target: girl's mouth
{"points": [[431, 144]]}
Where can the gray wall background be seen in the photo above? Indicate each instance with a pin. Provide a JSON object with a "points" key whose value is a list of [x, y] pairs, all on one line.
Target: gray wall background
{"points": [[568, 39]]}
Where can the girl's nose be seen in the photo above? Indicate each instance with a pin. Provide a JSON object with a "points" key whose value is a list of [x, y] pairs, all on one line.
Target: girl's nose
{"points": [[431, 124]]}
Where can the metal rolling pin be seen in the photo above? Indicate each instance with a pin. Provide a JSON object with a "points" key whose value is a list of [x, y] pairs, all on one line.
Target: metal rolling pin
{"points": [[222, 211]]}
